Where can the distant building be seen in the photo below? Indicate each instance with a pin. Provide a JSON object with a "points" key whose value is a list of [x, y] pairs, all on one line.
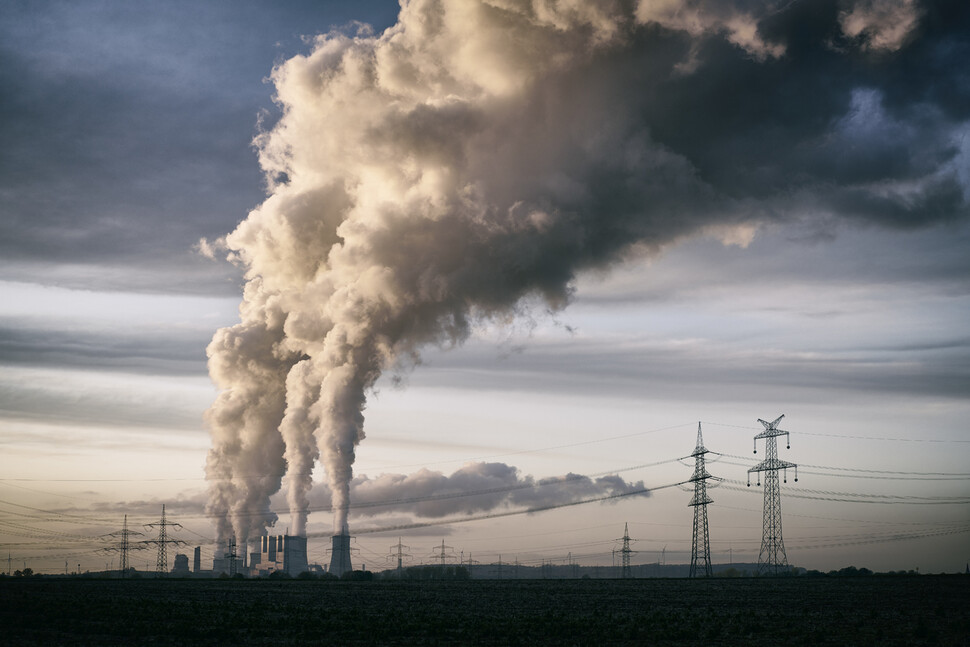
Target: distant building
{"points": [[220, 565], [197, 562], [181, 565], [284, 553]]}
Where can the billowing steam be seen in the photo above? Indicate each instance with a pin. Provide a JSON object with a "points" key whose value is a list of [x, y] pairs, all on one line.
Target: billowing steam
{"points": [[474, 488], [477, 153]]}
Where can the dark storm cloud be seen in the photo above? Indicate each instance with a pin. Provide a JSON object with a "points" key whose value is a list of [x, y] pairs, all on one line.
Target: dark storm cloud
{"points": [[125, 133], [125, 129], [114, 156], [827, 128]]}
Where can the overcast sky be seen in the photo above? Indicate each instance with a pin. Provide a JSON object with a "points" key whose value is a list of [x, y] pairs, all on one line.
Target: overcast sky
{"points": [[805, 168]]}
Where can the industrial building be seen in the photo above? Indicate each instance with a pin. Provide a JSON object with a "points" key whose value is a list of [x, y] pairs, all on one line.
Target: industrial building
{"points": [[284, 553], [181, 567]]}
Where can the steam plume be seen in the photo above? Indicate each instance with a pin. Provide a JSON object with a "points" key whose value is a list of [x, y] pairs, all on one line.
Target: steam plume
{"points": [[474, 154], [473, 488]]}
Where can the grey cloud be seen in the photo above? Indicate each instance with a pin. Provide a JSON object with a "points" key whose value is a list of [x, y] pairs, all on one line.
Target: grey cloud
{"points": [[706, 370], [821, 255], [160, 351], [187, 505], [66, 398], [761, 130], [125, 133]]}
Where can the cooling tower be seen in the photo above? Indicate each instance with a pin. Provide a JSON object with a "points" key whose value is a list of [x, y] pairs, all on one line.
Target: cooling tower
{"points": [[340, 555]]}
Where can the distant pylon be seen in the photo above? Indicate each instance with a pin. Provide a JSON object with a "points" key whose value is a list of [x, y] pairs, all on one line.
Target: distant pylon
{"points": [[400, 554], [161, 561], [442, 555], [232, 556], [124, 547], [772, 560], [700, 551], [624, 552]]}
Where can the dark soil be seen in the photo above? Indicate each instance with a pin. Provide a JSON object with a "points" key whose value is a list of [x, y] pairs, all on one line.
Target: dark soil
{"points": [[919, 610]]}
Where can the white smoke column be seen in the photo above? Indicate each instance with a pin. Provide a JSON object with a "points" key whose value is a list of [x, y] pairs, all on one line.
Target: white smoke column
{"points": [[474, 154], [245, 464]]}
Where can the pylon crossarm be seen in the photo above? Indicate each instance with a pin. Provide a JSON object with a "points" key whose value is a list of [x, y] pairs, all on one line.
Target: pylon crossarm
{"points": [[771, 465], [700, 501], [772, 424], [699, 477]]}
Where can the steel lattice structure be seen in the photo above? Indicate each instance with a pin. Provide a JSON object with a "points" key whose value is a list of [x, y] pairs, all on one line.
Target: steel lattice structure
{"points": [[625, 571], [232, 556], [400, 555], [161, 562], [124, 547], [700, 552], [772, 560]]}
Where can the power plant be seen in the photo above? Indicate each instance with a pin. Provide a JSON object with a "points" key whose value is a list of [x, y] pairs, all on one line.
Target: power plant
{"points": [[280, 553], [287, 555], [340, 555]]}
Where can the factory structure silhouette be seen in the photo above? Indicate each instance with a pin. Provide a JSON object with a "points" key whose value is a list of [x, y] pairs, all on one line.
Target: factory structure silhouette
{"points": [[287, 555]]}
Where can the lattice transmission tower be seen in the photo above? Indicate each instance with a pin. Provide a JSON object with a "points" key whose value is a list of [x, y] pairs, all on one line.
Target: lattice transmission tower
{"points": [[398, 551], [124, 545], [772, 560], [232, 555], [161, 562], [700, 550], [440, 553], [625, 552]]}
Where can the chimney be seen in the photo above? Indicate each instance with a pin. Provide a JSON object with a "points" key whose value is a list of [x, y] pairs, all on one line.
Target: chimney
{"points": [[340, 555]]}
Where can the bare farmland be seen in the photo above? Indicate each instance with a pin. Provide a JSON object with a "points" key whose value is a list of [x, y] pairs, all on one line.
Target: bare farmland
{"points": [[790, 611]]}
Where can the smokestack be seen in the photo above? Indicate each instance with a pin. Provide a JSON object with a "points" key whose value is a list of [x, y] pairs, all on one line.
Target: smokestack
{"points": [[340, 555], [197, 561]]}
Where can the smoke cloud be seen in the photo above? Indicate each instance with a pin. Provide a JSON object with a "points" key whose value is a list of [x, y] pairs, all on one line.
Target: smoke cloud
{"points": [[475, 488], [480, 154]]}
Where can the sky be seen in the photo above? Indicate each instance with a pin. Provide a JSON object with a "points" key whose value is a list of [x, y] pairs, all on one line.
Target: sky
{"points": [[569, 232]]}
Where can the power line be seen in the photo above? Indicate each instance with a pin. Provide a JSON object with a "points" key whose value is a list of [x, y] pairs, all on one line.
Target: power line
{"points": [[855, 497], [809, 433], [867, 471], [845, 473]]}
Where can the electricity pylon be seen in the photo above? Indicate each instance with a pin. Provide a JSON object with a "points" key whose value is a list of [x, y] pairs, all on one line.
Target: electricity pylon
{"points": [[700, 550], [772, 560], [400, 554], [443, 556], [624, 552], [232, 556], [161, 562], [124, 546]]}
